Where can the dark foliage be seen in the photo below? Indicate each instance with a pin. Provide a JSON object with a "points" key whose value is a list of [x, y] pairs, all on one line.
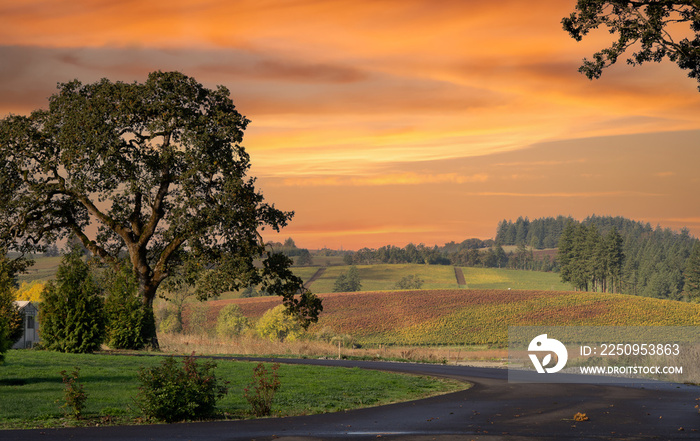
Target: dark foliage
{"points": [[72, 315], [650, 28], [128, 321], [158, 171], [171, 392]]}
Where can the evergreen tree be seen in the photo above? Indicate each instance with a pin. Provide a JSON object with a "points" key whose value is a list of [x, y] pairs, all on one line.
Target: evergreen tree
{"points": [[502, 232], [565, 253], [11, 318], [692, 272], [521, 230], [128, 322], [615, 257], [72, 313]]}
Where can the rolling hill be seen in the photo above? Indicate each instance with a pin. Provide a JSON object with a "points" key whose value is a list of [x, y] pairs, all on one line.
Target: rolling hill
{"points": [[472, 316]]}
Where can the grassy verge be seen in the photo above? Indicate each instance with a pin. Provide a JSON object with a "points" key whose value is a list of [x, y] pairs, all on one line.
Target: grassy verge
{"points": [[31, 391]]}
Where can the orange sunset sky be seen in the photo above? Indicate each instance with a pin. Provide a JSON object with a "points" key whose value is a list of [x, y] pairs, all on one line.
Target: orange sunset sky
{"points": [[394, 121]]}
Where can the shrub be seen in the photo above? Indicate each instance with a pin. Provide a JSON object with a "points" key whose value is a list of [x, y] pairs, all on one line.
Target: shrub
{"points": [[410, 282], [262, 389], [231, 322], [348, 282], [72, 313], [75, 395], [170, 324], [278, 325], [172, 393]]}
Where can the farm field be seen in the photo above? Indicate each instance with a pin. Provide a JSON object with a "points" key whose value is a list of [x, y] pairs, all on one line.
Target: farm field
{"points": [[44, 269], [384, 277], [497, 278], [473, 316]]}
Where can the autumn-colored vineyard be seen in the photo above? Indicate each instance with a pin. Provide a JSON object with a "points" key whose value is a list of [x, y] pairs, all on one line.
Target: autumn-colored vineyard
{"points": [[466, 317]]}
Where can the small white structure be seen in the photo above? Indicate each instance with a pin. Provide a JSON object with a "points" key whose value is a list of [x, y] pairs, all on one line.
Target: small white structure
{"points": [[30, 334]]}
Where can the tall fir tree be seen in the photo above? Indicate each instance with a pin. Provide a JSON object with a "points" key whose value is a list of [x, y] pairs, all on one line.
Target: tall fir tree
{"points": [[615, 258], [129, 323], [72, 315], [692, 273], [11, 318]]}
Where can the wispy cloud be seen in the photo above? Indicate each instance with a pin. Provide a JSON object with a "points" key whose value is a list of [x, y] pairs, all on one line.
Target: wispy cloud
{"points": [[522, 164], [591, 194], [388, 179]]}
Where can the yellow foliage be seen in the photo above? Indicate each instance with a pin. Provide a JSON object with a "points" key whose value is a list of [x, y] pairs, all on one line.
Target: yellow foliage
{"points": [[277, 325], [30, 291]]}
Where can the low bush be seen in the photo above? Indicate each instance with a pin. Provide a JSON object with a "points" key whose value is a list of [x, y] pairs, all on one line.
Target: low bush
{"points": [[412, 281], [75, 396], [277, 325], [262, 389], [231, 322], [172, 393]]}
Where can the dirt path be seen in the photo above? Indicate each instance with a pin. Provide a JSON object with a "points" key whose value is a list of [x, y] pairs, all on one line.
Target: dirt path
{"points": [[460, 277], [315, 277]]}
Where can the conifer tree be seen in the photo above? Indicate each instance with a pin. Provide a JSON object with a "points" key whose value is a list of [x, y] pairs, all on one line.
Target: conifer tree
{"points": [[129, 323], [72, 313], [615, 259], [11, 318], [692, 272]]}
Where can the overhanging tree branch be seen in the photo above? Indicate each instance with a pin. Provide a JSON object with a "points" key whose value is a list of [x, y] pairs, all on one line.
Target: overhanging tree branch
{"points": [[644, 23]]}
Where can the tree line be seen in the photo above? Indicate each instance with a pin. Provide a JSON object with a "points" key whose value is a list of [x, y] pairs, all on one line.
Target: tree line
{"points": [[471, 252], [589, 260], [643, 260]]}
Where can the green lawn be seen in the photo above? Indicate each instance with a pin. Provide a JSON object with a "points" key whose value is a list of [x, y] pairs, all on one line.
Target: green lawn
{"points": [[31, 389]]}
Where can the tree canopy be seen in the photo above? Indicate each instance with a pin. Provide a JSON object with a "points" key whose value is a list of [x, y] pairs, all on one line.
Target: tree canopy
{"points": [[150, 170], [652, 29]]}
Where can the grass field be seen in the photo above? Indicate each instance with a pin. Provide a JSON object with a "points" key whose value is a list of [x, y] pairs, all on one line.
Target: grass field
{"points": [[31, 389], [384, 277], [496, 278], [474, 316]]}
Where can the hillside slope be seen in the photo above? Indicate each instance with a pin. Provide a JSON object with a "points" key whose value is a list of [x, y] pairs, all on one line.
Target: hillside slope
{"points": [[473, 316]]}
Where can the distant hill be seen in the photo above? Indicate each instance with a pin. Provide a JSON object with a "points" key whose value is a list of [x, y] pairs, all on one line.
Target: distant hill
{"points": [[472, 317]]}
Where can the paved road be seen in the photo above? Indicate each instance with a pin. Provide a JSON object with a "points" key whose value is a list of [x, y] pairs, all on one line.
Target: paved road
{"points": [[492, 409]]}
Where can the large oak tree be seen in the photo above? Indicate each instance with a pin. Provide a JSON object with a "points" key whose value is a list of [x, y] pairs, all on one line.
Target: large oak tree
{"points": [[651, 29], [151, 171]]}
